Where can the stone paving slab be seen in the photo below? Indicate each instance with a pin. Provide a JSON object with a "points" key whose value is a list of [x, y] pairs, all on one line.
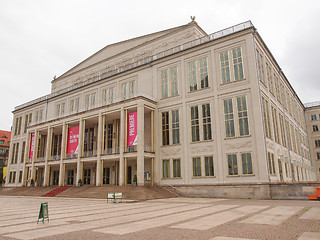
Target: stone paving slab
{"points": [[169, 219]]}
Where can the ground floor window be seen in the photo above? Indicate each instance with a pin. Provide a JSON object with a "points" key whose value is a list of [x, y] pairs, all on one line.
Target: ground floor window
{"points": [[86, 176], [246, 163], [70, 177], [232, 164], [209, 166], [166, 168], [196, 165], [106, 176], [176, 168]]}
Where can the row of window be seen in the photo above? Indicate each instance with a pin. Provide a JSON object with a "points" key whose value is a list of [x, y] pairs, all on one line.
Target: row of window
{"points": [[198, 73], [204, 166], [12, 177], [278, 90], [15, 152], [200, 115], [314, 117]]}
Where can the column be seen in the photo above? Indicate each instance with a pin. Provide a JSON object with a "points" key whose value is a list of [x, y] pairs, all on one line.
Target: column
{"points": [[140, 146], [35, 152], [152, 147], [80, 140], [122, 133], [63, 143], [99, 148], [48, 150]]}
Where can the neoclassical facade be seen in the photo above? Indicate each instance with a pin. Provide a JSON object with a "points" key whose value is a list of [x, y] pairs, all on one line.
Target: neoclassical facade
{"points": [[176, 107]]}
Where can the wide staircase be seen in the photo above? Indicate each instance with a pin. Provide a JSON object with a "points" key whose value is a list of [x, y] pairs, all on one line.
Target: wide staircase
{"points": [[135, 193]]}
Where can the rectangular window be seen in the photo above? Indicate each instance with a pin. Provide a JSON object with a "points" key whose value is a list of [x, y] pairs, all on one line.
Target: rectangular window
{"points": [[93, 100], [243, 116], [315, 128], [124, 91], [282, 128], [111, 95], [18, 126], [224, 67], [193, 76], [16, 154], [176, 168], [261, 68], [232, 164], [317, 143], [277, 87], [23, 151], [275, 125], [272, 169], [132, 88], [175, 127], [72, 106], [237, 64], [174, 81], [166, 168], [27, 121], [196, 165], [62, 110], [246, 163], [204, 73], [229, 118], [165, 128], [313, 117], [266, 118], [318, 155], [206, 117], [209, 167], [20, 176], [164, 83], [270, 79], [13, 153], [195, 124], [104, 97]]}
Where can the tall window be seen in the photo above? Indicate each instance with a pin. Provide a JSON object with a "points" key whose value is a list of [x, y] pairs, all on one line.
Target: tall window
{"points": [[176, 168], [104, 96], [166, 168], [124, 91], [261, 68], [313, 117], [17, 130], [13, 153], [164, 83], [90, 101], [198, 74], [38, 116], [111, 95], [22, 151], [282, 128], [315, 128], [266, 118], [272, 169], [127, 90], [165, 128], [195, 124], [174, 81], [196, 164], [243, 116], [175, 127], [207, 135], [16, 154], [27, 121], [132, 89], [277, 87], [60, 109], [229, 118], [275, 125], [224, 67], [317, 143], [209, 167], [270, 79], [237, 64], [232, 164], [246, 163]]}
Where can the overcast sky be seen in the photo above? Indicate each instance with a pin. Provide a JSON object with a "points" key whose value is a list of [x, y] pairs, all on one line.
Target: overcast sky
{"points": [[41, 38]]}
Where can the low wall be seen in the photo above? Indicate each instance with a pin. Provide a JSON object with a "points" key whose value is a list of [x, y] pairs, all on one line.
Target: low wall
{"points": [[249, 191]]}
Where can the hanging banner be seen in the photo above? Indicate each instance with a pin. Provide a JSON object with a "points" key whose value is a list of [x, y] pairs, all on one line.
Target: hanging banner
{"points": [[73, 140], [32, 142], [132, 129]]}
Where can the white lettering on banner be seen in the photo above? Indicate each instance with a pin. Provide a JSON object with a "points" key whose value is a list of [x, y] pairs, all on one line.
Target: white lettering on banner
{"points": [[131, 125]]}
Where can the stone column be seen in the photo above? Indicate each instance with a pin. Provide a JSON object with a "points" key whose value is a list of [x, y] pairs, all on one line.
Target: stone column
{"points": [[35, 152], [99, 148], [140, 146], [48, 150], [152, 147], [122, 133], [63, 143], [80, 140]]}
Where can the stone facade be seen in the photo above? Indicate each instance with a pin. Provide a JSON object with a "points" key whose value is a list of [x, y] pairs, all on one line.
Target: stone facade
{"points": [[211, 109]]}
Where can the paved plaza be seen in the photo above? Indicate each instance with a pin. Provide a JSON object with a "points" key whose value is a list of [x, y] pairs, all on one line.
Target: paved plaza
{"points": [[175, 218]]}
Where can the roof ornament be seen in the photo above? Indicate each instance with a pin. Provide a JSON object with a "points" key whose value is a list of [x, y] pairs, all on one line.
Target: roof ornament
{"points": [[54, 77], [193, 18]]}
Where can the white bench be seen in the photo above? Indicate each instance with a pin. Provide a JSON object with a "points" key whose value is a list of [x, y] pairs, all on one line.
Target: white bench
{"points": [[114, 197]]}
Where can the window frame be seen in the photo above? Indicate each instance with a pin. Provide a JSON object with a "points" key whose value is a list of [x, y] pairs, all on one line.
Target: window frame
{"points": [[198, 73]]}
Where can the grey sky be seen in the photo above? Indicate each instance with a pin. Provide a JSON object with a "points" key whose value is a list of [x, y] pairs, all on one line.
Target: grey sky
{"points": [[41, 38]]}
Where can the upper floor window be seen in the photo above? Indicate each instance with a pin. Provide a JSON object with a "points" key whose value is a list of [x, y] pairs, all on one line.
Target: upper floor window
{"points": [[317, 143], [198, 74], [1, 141], [313, 117], [237, 61], [195, 124], [229, 118], [74, 105], [90, 101], [38, 116], [175, 127], [232, 164], [27, 121], [165, 128], [315, 128], [60, 109], [127, 90], [17, 129], [243, 116], [169, 82], [261, 68]]}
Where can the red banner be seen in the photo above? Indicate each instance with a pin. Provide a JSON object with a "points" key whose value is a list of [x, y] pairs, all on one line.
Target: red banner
{"points": [[32, 142], [73, 140], [132, 129]]}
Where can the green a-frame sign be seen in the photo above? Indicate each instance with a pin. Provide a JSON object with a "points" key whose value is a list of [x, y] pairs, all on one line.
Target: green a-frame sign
{"points": [[43, 213]]}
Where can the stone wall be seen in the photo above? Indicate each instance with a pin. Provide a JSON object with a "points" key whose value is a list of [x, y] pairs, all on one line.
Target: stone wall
{"points": [[249, 191]]}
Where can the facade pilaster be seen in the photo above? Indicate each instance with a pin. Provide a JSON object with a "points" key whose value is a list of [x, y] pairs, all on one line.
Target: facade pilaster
{"points": [[122, 136], [48, 150], [80, 147], [140, 145], [99, 148], [63, 151]]}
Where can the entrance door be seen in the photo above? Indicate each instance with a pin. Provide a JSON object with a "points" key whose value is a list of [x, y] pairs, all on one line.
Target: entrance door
{"points": [[86, 176], [55, 178], [129, 175], [106, 175], [70, 177]]}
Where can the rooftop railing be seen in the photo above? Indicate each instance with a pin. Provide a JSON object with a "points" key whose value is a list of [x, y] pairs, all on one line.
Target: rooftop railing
{"points": [[312, 104], [114, 70]]}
